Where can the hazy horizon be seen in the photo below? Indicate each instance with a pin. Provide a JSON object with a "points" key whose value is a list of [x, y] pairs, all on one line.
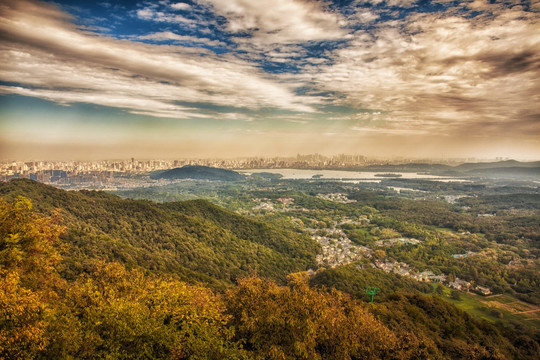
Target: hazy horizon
{"points": [[368, 159], [441, 79]]}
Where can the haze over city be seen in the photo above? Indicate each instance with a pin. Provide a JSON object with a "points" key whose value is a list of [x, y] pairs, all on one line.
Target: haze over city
{"points": [[85, 80]]}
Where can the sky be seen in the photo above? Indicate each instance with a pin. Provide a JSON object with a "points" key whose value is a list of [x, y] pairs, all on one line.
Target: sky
{"points": [[91, 80]]}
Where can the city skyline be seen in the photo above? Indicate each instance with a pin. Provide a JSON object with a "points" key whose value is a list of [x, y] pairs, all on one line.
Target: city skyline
{"points": [[84, 80]]}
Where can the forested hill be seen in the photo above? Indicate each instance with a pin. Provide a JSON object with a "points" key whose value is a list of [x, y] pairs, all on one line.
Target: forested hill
{"points": [[199, 173], [195, 240]]}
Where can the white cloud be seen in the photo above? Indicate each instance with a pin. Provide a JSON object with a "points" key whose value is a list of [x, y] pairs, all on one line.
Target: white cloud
{"points": [[365, 17], [145, 13], [181, 6], [169, 35], [150, 13], [401, 3], [137, 105], [389, 131], [280, 21], [53, 59], [398, 3]]}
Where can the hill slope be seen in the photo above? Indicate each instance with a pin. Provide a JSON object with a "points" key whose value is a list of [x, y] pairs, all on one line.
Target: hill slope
{"points": [[195, 240]]}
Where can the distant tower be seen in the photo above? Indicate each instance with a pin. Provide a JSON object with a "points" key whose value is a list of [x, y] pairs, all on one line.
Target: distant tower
{"points": [[371, 291]]}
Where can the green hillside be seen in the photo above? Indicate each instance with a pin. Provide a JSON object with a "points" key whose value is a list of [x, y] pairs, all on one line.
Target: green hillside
{"points": [[195, 240]]}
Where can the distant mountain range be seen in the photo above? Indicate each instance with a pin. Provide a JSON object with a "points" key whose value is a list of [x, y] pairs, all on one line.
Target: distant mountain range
{"points": [[507, 171], [507, 168], [497, 164], [198, 172]]}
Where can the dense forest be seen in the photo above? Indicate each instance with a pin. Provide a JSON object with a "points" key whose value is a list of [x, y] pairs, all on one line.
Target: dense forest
{"points": [[89, 275], [195, 240]]}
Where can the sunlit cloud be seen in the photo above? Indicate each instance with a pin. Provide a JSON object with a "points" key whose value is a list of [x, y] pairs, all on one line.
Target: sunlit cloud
{"points": [[459, 73]]}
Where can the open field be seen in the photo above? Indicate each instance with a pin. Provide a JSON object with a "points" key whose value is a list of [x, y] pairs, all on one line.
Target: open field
{"points": [[497, 308], [516, 309]]}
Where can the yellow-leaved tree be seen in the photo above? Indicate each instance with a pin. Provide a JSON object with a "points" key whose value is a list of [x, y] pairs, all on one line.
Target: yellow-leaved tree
{"points": [[28, 259], [298, 322]]}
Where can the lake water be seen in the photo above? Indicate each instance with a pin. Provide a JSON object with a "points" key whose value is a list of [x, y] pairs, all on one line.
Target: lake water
{"points": [[301, 174]]}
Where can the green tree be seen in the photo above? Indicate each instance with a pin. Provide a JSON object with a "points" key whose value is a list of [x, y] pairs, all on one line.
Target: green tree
{"points": [[455, 294]]}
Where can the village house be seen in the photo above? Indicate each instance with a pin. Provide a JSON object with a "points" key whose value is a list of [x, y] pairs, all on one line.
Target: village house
{"points": [[424, 276], [459, 284], [482, 290]]}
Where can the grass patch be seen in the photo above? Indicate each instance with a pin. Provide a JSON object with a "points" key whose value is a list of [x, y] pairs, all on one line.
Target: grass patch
{"points": [[504, 299]]}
